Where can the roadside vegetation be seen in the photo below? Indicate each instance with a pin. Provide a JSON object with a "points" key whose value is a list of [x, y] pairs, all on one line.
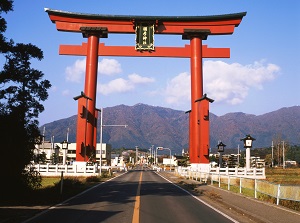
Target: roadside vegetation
{"points": [[288, 177], [16, 209], [50, 192], [22, 91]]}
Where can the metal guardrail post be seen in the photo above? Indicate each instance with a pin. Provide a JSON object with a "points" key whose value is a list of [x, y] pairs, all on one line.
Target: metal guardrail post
{"points": [[228, 183], [255, 188], [240, 185], [61, 183], [278, 194]]}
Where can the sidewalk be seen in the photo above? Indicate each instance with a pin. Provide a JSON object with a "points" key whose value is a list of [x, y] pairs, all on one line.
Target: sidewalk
{"points": [[237, 206]]}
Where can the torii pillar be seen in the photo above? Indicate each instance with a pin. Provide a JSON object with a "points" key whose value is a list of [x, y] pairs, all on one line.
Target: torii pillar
{"points": [[87, 120], [199, 128], [196, 36]]}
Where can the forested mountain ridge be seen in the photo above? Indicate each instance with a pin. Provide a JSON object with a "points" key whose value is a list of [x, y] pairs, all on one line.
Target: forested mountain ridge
{"points": [[158, 126]]}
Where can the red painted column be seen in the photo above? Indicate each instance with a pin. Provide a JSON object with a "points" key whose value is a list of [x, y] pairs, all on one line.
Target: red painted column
{"points": [[85, 143], [203, 152], [80, 133], [90, 87], [196, 93]]}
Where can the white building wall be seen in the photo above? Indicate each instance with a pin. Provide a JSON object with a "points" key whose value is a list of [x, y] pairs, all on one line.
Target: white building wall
{"points": [[167, 161], [49, 148]]}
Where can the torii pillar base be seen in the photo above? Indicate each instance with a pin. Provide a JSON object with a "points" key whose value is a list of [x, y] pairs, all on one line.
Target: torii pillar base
{"points": [[202, 151]]}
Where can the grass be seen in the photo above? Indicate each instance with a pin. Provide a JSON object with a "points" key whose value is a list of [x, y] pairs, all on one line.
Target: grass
{"points": [[288, 176], [50, 191], [32, 202], [49, 181], [281, 176]]}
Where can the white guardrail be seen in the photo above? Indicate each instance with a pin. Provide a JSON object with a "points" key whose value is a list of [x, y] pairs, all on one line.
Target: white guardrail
{"points": [[257, 173], [244, 180]]}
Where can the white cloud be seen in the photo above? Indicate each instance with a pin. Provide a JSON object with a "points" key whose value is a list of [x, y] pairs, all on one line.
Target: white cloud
{"points": [[232, 82], [75, 73], [66, 93], [115, 86], [178, 89], [137, 79], [123, 85], [109, 67], [223, 82]]}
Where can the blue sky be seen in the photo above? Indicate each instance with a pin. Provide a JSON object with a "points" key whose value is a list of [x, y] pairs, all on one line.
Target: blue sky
{"points": [[261, 76]]}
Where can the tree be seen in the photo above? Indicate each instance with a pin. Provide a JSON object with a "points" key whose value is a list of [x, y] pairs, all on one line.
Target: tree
{"points": [[21, 91], [5, 6]]}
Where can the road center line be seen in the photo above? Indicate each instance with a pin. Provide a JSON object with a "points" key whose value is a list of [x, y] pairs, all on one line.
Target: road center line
{"points": [[136, 211]]}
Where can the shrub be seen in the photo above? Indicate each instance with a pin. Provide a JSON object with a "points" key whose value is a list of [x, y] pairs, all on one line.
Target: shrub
{"points": [[69, 183], [93, 179]]}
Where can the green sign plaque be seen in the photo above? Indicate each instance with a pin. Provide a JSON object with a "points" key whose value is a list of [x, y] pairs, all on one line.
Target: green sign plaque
{"points": [[144, 37]]}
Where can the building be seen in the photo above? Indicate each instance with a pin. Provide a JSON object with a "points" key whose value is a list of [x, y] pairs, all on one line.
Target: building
{"points": [[53, 153], [47, 150]]}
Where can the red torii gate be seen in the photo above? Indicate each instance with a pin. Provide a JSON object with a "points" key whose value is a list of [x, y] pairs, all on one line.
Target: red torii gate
{"points": [[194, 28]]}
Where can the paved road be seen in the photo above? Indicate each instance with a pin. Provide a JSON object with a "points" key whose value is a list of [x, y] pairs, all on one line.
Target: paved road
{"points": [[139, 195]]}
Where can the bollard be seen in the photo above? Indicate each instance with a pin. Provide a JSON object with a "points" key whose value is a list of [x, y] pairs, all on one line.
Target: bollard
{"points": [[61, 183]]}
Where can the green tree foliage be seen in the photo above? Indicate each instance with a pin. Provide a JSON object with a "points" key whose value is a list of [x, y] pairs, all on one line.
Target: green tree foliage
{"points": [[5, 6], [21, 91], [294, 153], [290, 153]]}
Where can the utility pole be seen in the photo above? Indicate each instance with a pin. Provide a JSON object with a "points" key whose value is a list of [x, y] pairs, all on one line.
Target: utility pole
{"points": [[101, 136], [136, 154], [238, 157], [283, 159], [152, 147], [101, 140], [272, 154], [52, 150], [44, 130], [278, 148]]}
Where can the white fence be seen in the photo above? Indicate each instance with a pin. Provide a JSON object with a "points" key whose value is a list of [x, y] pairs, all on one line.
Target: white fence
{"points": [[238, 179], [277, 191], [71, 170], [256, 173]]}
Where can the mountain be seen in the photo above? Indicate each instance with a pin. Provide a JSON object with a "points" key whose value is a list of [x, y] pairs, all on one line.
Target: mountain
{"points": [[158, 126]]}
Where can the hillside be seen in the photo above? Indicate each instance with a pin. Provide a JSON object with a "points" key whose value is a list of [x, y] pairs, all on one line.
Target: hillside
{"points": [[158, 126]]}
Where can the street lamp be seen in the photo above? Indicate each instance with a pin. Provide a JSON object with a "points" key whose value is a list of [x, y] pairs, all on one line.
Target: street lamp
{"points": [[248, 140], [64, 145], [136, 153], [83, 95], [149, 156], [157, 148], [221, 147], [101, 129], [153, 155], [101, 135]]}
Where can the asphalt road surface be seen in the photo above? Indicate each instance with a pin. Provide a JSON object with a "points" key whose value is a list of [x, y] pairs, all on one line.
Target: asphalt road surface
{"points": [[140, 195]]}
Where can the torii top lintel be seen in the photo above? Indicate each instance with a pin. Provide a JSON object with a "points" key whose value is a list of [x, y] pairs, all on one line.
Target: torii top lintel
{"points": [[216, 24]]}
